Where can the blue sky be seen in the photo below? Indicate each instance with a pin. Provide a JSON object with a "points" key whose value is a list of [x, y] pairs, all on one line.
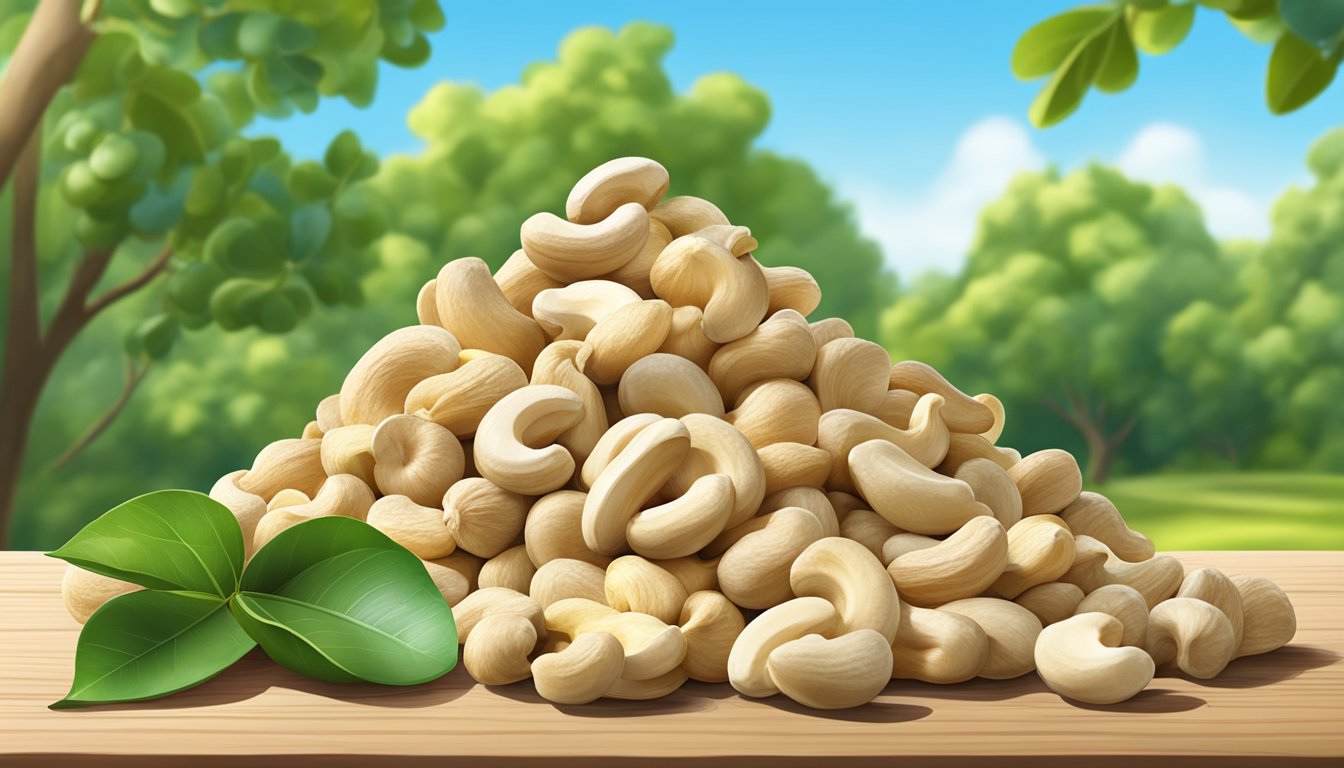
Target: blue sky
{"points": [[908, 107]]}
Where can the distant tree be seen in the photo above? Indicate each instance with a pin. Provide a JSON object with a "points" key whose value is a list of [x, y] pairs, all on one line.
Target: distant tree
{"points": [[1095, 46], [492, 160], [121, 127], [1063, 306]]}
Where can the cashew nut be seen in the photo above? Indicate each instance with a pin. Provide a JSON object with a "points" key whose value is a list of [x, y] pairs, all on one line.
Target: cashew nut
{"points": [[556, 365], [378, 384], [776, 411], [562, 578], [1095, 565], [851, 373], [85, 591], [1048, 480], [789, 465], [1270, 621], [417, 528], [687, 338], [1040, 550], [520, 281], [472, 306], [415, 458], [832, 673], [1211, 586], [780, 348], [635, 584], [1092, 514], [582, 671], [515, 443], [1012, 631], [285, 464], [483, 518], [754, 571], [711, 624], [718, 448], [459, 399], [994, 488], [1125, 604], [849, 577], [908, 494], [553, 530], [792, 288], [841, 429], [344, 495], [348, 451], [785, 622], [570, 252], [686, 214], [938, 647], [832, 328], [1082, 658], [960, 566], [962, 412], [669, 386], [697, 271], [510, 569], [630, 480], [622, 338], [572, 311], [497, 651], [1192, 634]]}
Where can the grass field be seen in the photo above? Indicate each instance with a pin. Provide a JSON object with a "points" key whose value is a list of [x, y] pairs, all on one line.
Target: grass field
{"points": [[1251, 510]]}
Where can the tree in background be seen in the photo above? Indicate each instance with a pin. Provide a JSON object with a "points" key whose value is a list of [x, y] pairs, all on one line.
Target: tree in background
{"points": [[121, 125], [493, 160], [1094, 46], [1063, 306]]}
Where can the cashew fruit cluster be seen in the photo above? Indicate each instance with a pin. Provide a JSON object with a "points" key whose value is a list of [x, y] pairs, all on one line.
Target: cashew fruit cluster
{"points": [[628, 459]]}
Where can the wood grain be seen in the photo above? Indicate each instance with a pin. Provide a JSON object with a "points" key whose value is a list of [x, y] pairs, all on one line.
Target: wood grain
{"points": [[1282, 708]]}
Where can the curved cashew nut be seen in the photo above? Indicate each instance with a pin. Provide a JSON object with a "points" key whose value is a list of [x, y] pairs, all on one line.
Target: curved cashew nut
{"points": [[572, 311], [634, 274], [1095, 565], [962, 448], [417, 528], [635, 584], [1052, 602], [851, 373], [378, 384], [995, 406], [845, 574], [582, 671], [483, 518], [1216, 589], [669, 386], [869, 529], [570, 252], [962, 565], [1012, 631], [938, 647], [908, 494], [776, 411], [685, 524], [994, 488], [454, 575], [736, 239], [496, 601], [416, 458], [630, 480], [344, 495], [1082, 658], [1092, 514], [497, 651], [754, 571], [505, 447], [810, 499], [1270, 621], [556, 365], [785, 622], [831, 328], [1040, 550], [347, 451], [790, 465], [426, 307], [652, 648], [1125, 604], [553, 530], [792, 288], [520, 281], [1193, 634], [614, 183], [780, 348], [718, 448], [687, 337], [732, 291], [902, 544], [563, 578], [1048, 480], [622, 338], [962, 412], [247, 508], [457, 400], [897, 408], [711, 624], [839, 430], [686, 214], [612, 442], [510, 569], [289, 463], [85, 591], [329, 413], [472, 306], [832, 673]]}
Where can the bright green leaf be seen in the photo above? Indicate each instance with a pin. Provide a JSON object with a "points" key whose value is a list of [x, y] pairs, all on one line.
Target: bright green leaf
{"points": [[237, 301], [156, 335], [171, 540], [1045, 47], [146, 644], [1319, 22], [335, 599], [413, 54], [309, 227], [343, 154], [426, 15], [1157, 32], [207, 191], [1297, 73], [1120, 63], [1066, 88]]}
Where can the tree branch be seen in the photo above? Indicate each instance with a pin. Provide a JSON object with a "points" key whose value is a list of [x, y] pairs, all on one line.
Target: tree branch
{"points": [[133, 378], [72, 313], [1119, 437], [118, 292], [23, 287]]}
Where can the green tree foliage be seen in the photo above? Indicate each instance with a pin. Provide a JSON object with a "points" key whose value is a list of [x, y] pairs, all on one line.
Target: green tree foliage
{"points": [[1063, 306], [135, 169], [1095, 47], [494, 159]]}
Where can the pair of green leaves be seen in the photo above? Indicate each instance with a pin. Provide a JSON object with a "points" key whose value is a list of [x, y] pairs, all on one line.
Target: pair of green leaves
{"points": [[331, 598]]}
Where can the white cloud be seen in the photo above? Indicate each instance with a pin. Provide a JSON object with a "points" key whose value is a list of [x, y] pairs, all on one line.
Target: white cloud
{"points": [[934, 229]]}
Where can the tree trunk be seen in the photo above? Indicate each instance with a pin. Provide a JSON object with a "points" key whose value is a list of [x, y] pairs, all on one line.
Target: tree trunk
{"points": [[1101, 446]]}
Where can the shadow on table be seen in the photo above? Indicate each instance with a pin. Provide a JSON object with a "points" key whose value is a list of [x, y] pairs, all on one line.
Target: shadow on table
{"points": [[1151, 700], [1285, 663]]}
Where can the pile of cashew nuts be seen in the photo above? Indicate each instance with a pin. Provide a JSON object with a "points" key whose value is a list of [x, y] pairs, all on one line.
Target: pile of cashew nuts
{"points": [[627, 459]]}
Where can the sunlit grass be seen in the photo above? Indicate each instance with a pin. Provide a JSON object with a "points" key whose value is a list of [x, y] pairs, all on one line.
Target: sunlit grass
{"points": [[1249, 510]]}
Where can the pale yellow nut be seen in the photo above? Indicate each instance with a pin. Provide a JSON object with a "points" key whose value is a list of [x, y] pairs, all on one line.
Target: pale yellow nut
{"points": [[634, 274], [754, 571], [780, 348], [556, 365], [843, 503], [496, 601], [851, 373], [582, 672], [483, 518], [458, 400], [1269, 619], [378, 384], [1125, 604], [311, 431], [792, 288], [785, 622], [1048, 480], [897, 408], [247, 508], [908, 494], [288, 497], [737, 239], [415, 458], [1092, 514], [995, 406], [1083, 659], [1095, 565], [572, 311], [343, 495], [329, 413], [515, 444], [901, 544], [629, 481], [962, 448], [1012, 631], [687, 338], [962, 412], [828, 330], [719, 448], [570, 252], [1191, 634], [554, 531], [787, 465], [417, 528], [635, 584], [1040, 550], [695, 573], [1216, 589], [472, 306], [497, 651], [284, 464], [652, 648], [832, 673], [614, 183], [685, 524], [1051, 602], [938, 647], [810, 499], [520, 281], [622, 338], [454, 575], [612, 442], [776, 411], [840, 430], [348, 451], [711, 624], [426, 306], [962, 565], [695, 270], [563, 578], [994, 488], [686, 214], [669, 386], [85, 591], [848, 576], [511, 569], [869, 529]]}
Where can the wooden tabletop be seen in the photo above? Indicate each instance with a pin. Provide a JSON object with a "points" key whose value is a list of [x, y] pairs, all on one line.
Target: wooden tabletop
{"points": [[1282, 708]]}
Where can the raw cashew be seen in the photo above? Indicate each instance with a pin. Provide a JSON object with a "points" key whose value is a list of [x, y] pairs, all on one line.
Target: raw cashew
{"points": [[711, 624], [1012, 631], [908, 494], [582, 672], [1082, 658], [1040, 550], [1270, 621], [840, 430], [776, 411], [754, 572], [962, 412], [1092, 514], [417, 528], [669, 386], [780, 348], [851, 373], [415, 458], [514, 446], [510, 569], [483, 518], [472, 306], [497, 651], [938, 647], [1192, 634], [378, 384], [697, 271], [1052, 602], [572, 311], [686, 214], [962, 565], [459, 399], [1125, 604], [1094, 565], [556, 365], [570, 252], [1048, 480], [614, 183]]}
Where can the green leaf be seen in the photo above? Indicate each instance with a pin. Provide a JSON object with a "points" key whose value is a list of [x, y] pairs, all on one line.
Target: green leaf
{"points": [[426, 15], [1297, 73], [1066, 88], [156, 335], [171, 540], [343, 154], [159, 104], [1156, 32], [309, 228], [1120, 63], [1047, 45], [335, 599], [114, 157], [81, 186], [1319, 22], [277, 314], [147, 644]]}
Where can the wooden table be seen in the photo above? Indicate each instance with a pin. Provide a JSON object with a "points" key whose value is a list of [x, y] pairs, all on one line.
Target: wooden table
{"points": [[1282, 708]]}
